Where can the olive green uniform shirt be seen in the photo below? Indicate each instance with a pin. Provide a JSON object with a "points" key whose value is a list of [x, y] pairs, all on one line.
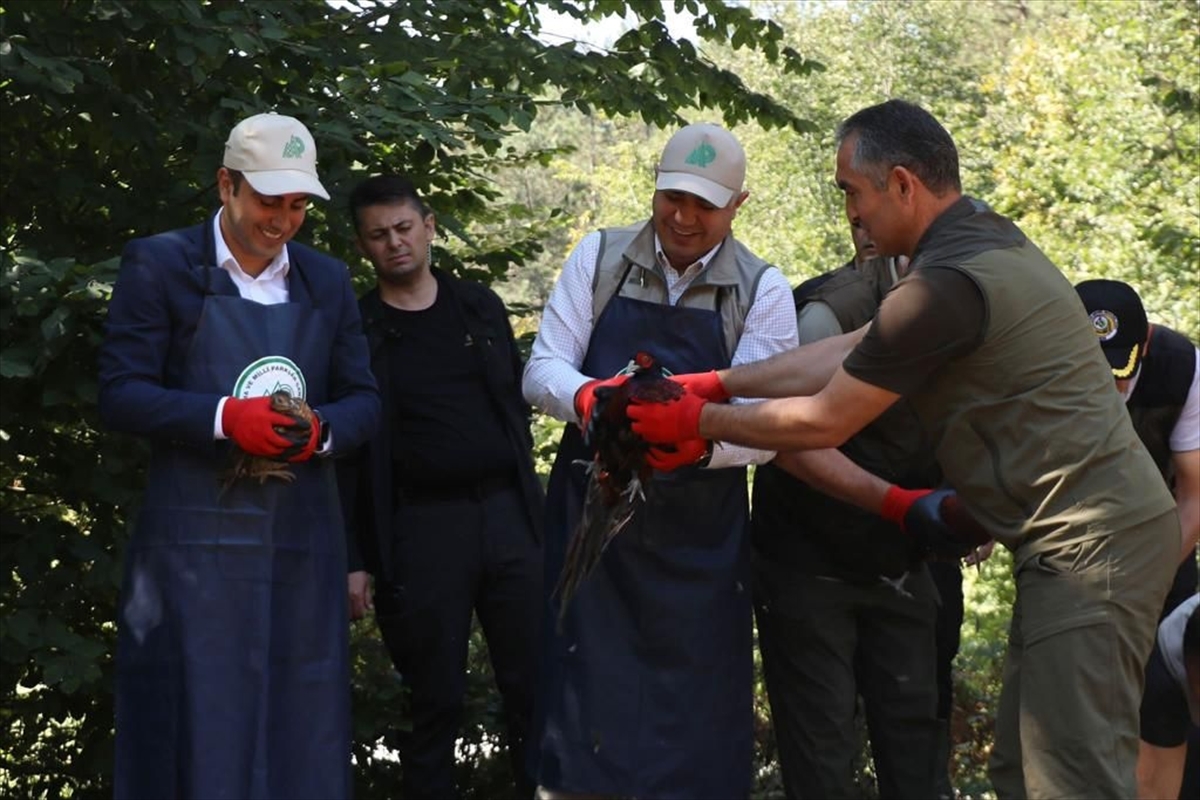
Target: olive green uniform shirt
{"points": [[990, 343]]}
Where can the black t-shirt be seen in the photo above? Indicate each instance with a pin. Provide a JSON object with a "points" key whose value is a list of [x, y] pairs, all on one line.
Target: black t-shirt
{"points": [[446, 429]]}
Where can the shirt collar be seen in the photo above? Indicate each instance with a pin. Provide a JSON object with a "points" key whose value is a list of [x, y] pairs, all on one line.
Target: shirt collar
{"points": [[960, 209], [695, 266], [277, 269]]}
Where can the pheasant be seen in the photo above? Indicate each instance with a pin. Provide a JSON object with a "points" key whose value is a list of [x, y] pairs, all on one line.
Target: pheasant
{"points": [[260, 468], [618, 475]]}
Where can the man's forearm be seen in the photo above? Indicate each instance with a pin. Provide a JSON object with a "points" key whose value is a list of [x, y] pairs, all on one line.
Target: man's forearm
{"points": [[826, 419], [1189, 527], [1187, 499], [790, 423], [1159, 771], [831, 472], [794, 373]]}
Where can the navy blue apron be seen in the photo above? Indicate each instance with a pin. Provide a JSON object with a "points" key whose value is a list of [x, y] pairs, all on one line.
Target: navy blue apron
{"points": [[232, 661], [647, 687]]}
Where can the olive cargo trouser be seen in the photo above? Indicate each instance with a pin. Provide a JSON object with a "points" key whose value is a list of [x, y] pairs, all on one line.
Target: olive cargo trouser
{"points": [[1083, 625]]}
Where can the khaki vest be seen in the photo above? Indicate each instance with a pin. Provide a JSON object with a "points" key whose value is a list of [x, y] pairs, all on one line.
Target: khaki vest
{"points": [[894, 445], [852, 292], [729, 283], [1028, 427], [807, 530]]}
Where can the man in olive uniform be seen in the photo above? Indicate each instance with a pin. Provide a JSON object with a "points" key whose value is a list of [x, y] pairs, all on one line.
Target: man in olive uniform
{"points": [[986, 339]]}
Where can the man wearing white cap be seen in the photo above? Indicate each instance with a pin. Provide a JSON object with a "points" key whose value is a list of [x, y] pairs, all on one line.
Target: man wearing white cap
{"points": [[232, 674], [647, 682]]}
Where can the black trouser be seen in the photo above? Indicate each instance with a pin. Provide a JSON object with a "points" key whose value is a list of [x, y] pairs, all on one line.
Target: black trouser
{"points": [[823, 643], [455, 555], [947, 577]]}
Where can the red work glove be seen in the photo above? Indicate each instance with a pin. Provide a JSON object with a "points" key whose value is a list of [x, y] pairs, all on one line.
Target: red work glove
{"points": [[704, 384], [310, 444], [922, 515], [672, 422], [668, 457], [897, 502], [585, 396], [251, 423]]}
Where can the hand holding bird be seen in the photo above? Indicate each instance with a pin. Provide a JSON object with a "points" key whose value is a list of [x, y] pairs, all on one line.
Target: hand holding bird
{"points": [[620, 473]]}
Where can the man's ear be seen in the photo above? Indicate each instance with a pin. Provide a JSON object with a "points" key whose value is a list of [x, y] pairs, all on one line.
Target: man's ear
{"points": [[905, 181], [224, 184]]}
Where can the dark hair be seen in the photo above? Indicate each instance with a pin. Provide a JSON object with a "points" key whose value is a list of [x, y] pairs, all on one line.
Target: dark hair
{"points": [[385, 190], [237, 177], [899, 133]]}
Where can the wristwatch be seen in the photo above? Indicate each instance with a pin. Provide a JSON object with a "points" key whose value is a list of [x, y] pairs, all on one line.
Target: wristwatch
{"points": [[323, 435]]}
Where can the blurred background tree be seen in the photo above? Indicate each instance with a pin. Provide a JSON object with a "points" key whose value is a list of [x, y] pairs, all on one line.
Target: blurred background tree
{"points": [[115, 117]]}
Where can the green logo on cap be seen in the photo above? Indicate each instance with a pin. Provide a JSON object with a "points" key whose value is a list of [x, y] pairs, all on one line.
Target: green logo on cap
{"points": [[702, 156], [294, 148]]}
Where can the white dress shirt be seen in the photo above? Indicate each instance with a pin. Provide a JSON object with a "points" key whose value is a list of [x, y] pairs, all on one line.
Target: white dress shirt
{"points": [[552, 376], [269, 288]]}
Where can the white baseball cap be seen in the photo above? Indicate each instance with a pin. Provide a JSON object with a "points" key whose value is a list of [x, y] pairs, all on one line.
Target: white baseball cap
{"points": [[705, 160], [277, 155]]}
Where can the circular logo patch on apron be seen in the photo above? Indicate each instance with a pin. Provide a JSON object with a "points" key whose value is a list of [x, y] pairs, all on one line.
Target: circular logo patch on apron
{"points": [[268, 375]]}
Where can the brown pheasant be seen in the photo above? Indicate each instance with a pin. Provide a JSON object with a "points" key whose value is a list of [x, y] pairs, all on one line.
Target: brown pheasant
{"points": [[261, 468], [618, 475]]}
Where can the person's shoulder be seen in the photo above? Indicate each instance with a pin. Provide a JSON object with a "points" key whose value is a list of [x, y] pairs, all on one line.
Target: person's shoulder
{"points": [[1170, 334], [309, 255], [469, 291], [633, 227], [743, 251], [177, 239], [618, 238]]}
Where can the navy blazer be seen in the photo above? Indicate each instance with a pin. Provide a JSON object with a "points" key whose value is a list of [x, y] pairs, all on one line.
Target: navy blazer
{"points": [[152, 318]]}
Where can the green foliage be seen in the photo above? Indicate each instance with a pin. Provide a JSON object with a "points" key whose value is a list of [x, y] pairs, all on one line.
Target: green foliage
{"points": [[1078, 119], [1095, 139], [115, 118], [62, 487], [988, 593]]}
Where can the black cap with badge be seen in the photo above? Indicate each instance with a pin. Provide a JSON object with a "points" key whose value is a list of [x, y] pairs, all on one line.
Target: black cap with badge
{"points": [[1119, 321]]}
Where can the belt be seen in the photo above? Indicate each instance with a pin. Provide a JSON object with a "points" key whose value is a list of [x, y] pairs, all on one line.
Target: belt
{"points": [[414, 494]]}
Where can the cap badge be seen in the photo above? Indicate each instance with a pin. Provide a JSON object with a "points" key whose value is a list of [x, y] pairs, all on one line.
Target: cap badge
{"points": [[1105, 324], [294, 148], [703, 155]]}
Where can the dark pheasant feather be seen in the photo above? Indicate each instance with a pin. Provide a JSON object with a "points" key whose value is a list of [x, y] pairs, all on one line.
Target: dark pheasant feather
{"points": [[618, 475]]}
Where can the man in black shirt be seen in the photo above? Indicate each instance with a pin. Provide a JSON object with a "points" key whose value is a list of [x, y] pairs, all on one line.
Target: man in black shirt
{"points": [[444, 507]]}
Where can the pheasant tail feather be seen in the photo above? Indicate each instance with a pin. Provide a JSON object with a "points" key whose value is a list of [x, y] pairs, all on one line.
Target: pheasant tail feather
{"points": [[599, 523]]}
